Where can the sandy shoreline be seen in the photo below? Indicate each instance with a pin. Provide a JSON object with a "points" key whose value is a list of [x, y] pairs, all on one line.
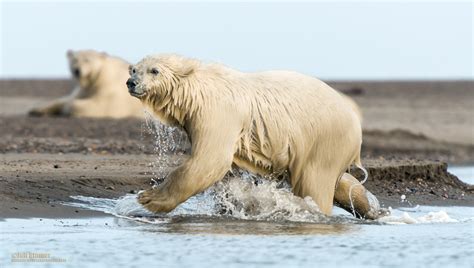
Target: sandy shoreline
{"points": [[410, 129]]}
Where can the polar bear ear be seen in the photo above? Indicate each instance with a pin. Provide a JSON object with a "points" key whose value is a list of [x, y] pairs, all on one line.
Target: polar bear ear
{"points": [[188, 66], [187, 69], [70, 53], [181, 66]]}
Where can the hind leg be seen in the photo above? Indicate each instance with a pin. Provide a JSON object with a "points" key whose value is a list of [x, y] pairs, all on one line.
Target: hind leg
{"points": [[318, 183], [364, 203]]}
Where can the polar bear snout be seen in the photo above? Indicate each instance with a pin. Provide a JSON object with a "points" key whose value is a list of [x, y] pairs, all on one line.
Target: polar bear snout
{"points": [[76, 72], [133, 89], [131, 84]]}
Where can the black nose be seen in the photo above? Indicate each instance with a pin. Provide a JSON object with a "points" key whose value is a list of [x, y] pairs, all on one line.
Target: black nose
{"points": [[76, 72], [131, 83]]}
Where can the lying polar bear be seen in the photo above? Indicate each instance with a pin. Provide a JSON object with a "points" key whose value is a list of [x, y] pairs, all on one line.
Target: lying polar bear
{"points": [[100, 90], [266, 123]]}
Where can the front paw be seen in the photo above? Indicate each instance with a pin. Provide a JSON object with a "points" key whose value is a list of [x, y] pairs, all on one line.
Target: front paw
{"points": [[35, 112], [156, 201]]}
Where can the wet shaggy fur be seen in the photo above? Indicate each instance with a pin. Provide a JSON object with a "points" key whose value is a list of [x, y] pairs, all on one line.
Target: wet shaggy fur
{"points": [[266, 122], [100, 90]]}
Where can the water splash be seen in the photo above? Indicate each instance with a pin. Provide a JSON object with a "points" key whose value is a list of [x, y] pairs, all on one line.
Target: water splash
{"points": [[418, 216], [168, 141], [267, 202], [240, 195], [244, 195]]}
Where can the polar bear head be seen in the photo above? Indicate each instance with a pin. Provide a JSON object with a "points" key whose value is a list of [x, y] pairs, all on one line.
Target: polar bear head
{"points": [[163, 82], [85, 65], [159, 75]]}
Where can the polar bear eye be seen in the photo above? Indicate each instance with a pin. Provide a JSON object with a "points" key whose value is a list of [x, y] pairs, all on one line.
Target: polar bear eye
{"points": [[131, 69], [154, 71]]}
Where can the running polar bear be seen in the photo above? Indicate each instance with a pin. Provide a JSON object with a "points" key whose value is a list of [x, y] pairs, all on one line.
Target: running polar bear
{"points": [[100, 90], [266, 123]]}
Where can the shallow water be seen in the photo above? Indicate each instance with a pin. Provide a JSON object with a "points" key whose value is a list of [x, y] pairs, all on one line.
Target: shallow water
{"points": [[200, 241], [275, 230]]}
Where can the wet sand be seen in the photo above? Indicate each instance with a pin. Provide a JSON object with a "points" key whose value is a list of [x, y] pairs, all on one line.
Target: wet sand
{"points": [[411, 130]]}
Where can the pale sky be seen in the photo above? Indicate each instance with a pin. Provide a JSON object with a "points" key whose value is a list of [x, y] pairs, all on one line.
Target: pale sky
{"points": [[330, 40]]}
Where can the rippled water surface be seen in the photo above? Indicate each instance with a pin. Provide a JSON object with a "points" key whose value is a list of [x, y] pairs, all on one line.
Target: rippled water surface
{"points": [[200, 241]]}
